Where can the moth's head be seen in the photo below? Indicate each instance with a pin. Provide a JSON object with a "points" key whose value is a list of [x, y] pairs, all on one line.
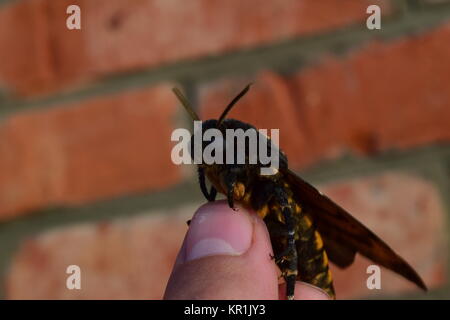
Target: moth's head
{"points": [[249, 150], [219, 124], [199, 131]]}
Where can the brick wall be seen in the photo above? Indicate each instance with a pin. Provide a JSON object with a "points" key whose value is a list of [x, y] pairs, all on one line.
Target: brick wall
{"points": [[86, 117]]}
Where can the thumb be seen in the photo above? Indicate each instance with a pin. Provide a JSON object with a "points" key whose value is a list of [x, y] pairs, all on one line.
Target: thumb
{"points": [[225, 255]]}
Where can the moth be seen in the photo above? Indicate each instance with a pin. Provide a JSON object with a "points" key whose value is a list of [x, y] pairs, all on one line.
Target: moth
{"points": [[306, 228]]}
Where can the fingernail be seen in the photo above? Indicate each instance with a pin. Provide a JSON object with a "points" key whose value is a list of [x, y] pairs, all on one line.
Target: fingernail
{"points": [[218, 230], [307, 291]]}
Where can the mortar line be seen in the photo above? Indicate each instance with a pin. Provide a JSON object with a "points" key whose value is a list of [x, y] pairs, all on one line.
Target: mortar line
{"points": [[286, 55]]}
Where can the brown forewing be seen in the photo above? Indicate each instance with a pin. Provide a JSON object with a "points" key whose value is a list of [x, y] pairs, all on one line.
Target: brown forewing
{"points": [[343, 235]]}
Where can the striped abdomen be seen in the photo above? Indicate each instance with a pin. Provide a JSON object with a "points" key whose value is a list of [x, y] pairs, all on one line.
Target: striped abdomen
{"points": [[313, 260], [312, 265]]}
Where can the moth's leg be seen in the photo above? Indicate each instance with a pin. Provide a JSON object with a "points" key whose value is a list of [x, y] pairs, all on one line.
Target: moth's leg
{"points": [[277, 230], [202, 182], [211, 195], [280, 256], [290, 256], [230, 182]]}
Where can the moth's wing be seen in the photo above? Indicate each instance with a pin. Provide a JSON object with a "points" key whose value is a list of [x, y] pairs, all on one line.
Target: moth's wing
{"points": [[340, 230], [337, 253]]}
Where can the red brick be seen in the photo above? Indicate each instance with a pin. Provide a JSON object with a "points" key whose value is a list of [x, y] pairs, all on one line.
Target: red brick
{"points": [[404, 210], [125, 259], [95, 149], [132, 259], [37, 50], [127, 35], [383, 96], [379, 97]]}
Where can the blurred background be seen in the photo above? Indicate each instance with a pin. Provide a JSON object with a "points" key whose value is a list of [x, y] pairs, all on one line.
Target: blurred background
{"points": [[86, 116]]}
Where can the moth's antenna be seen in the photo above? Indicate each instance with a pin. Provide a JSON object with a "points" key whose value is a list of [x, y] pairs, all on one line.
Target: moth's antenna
{"points": [[185, 104], [232, 103]]}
